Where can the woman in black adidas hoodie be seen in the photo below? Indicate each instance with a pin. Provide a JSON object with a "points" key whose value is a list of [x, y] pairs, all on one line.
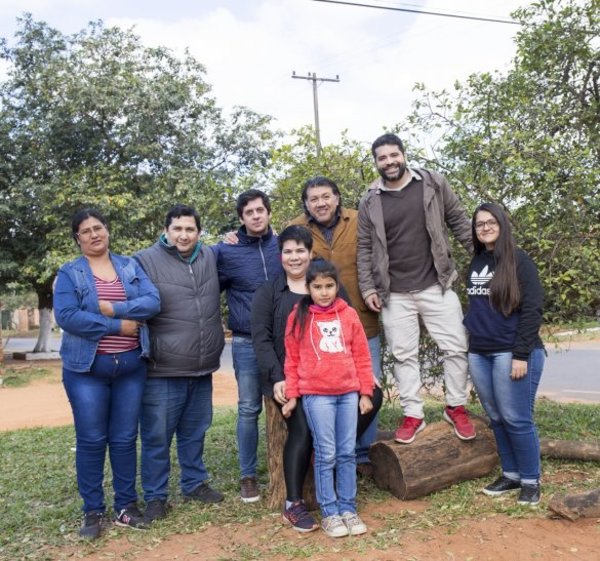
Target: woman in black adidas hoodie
{"points": [[506, 354]]}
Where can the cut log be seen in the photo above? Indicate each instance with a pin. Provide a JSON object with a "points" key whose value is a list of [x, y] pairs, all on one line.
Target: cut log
{"points": [[580, 505], [276, 436], [587, 450], [435, 460]]}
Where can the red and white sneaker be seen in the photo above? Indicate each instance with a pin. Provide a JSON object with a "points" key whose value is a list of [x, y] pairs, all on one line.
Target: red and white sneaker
{"points": [[409, 428], [458, 417]]}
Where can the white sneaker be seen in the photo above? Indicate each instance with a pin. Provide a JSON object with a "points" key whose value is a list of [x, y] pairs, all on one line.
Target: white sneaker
{"points": [[354, 524], [334, 527]]}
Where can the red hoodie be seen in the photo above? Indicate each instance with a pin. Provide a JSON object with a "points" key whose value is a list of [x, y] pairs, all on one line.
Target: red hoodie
{"points": [[332, 357]]}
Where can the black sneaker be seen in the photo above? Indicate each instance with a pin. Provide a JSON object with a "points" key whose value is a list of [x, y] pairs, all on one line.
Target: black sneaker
{"points": [[130, 517], [204, 494], [500, 486], [155, 510], [530, 494], [91, 528], [299, 517], [249, 492]]}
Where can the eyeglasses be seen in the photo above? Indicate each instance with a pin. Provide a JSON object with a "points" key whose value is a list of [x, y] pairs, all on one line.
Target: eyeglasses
{"points": [[88, 232], [491, 223]]}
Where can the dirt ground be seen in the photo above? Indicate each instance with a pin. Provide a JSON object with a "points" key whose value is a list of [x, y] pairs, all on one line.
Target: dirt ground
{"points": [[43, 403], [497, 538]]}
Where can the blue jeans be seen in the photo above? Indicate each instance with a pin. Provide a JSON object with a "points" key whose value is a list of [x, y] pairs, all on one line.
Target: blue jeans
{"points": [[106, 407], [332, 422], [509, 404], [181, 406], [247, 375], [370, 435]]}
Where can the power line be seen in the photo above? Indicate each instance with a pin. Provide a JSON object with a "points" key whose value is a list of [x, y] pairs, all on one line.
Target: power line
{"points": [[425, 12], [312, 76]]}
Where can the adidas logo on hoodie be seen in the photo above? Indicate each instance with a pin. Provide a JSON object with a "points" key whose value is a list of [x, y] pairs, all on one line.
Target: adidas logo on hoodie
{"points": [[478, 280]]}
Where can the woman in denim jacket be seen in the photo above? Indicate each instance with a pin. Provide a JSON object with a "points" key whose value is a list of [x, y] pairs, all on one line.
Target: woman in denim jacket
{"points": [[101, 302]]}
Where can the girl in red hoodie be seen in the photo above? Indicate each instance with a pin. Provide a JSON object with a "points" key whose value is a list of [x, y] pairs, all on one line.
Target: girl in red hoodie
{"points": [[328, 365]]}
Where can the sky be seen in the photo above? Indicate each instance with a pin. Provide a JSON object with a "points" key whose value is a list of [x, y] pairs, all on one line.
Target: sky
{"points": [[251, 47]]}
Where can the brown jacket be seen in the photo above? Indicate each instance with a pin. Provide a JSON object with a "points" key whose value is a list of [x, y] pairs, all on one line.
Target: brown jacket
{"points": [[443, 211], [342, 254]]}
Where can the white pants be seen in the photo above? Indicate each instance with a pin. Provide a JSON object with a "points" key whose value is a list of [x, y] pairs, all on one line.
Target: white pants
{"points": [[442, 315]]}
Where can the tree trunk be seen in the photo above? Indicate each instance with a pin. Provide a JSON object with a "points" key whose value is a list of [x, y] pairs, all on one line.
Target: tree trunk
{"points": [[572, 507], [1, 349], [1, 346], [276, 436], [435, 460], [571, 449], [44, 294]]}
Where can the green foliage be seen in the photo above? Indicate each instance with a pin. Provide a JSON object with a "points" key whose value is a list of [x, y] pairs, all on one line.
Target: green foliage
{"points": [[15, 298], [530, 141], [97, 119]]}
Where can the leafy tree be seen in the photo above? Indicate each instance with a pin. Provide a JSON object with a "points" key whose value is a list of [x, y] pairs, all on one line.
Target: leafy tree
{"points": [[530, 140], [97, 119]]}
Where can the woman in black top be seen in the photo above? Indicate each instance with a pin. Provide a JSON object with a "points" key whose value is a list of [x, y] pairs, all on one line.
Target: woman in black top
{"points": [[271, 306], [506, 354]]}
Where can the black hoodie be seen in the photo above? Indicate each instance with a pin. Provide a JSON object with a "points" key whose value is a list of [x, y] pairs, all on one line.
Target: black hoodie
{"points": [[490, 331]]}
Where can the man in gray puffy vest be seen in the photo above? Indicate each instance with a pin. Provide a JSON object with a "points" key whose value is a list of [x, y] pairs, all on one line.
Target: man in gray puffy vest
{"points": [[186, 340]]}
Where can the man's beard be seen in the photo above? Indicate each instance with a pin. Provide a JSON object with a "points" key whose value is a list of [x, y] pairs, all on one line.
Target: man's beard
{"points": [[401, 169]]}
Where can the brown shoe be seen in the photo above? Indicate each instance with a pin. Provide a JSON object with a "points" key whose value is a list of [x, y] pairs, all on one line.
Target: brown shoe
{"points": [[249, 490], [364, 469]]}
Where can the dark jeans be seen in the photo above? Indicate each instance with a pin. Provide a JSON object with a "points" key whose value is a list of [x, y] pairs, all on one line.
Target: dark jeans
{"points": [[106, 405], [247, 375], [363, 442], [181, 406]]}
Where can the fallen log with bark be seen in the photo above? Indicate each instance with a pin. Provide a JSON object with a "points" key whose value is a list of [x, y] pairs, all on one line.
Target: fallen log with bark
{"points": [[435, 460], [580, 505], [586, 450]]}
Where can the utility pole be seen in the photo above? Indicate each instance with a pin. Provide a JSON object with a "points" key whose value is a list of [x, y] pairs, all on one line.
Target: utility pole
{"points": [[314, 78]]}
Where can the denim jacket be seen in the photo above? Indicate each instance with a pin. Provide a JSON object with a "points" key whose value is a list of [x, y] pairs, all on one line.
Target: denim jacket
{"points": [[77, 311]]}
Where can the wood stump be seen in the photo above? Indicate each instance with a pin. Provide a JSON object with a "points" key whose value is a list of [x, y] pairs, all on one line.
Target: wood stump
{"points": [[276, 436], [435, 460]]}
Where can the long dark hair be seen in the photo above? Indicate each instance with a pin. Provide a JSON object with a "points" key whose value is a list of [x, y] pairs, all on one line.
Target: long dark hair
{"points": [[317, 268], [505, 294]]}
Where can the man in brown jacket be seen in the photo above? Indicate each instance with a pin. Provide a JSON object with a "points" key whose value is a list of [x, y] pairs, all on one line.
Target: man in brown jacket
{"points": [[406, 270], [335, 237]]}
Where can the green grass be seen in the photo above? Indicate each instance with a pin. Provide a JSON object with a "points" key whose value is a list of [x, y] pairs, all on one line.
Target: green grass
{"points": [[40, 508], [18, 377]]}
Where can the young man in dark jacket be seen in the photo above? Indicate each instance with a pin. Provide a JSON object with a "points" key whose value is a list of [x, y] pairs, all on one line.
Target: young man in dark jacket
{"points": [[186, 340], [244, 267]]}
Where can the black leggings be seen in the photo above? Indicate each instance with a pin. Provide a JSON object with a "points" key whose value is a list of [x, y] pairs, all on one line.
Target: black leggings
{"points": [[298, 446]]}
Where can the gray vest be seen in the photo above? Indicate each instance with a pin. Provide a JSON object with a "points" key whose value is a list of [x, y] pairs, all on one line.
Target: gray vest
{"points": [[186, 337]]}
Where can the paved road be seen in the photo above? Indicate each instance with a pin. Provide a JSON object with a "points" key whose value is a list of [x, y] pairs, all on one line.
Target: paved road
{"points": [[569, 375], [573, 374]]}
